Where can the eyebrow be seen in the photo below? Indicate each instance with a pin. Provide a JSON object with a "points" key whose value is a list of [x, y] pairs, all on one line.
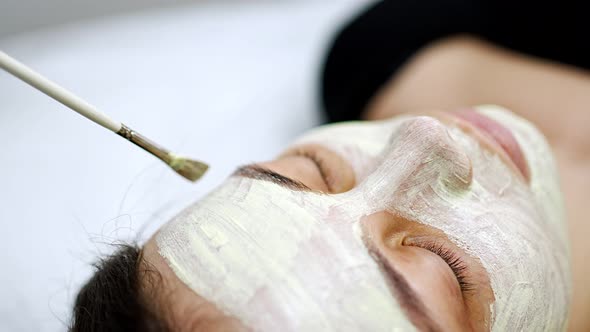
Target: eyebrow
{"points": [[258, 172], [402, 291]]}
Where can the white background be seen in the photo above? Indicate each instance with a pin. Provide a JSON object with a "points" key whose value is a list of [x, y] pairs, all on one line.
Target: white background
{"points": [[225, 82]]}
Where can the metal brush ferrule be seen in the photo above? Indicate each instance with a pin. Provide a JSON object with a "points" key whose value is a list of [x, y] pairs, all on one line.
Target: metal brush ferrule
{"points": [[144, 143]]}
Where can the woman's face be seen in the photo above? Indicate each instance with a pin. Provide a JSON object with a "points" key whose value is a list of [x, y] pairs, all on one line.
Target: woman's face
{"points": [[449, 222]]}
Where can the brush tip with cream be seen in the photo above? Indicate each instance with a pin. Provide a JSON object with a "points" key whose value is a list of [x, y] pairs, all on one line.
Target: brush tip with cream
{"points": [[189, 169]]}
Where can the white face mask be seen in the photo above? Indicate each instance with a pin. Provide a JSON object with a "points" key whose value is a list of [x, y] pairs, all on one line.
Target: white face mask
{"points": [[286, 260]]}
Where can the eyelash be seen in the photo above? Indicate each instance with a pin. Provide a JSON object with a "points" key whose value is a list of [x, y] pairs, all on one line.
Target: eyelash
{"points": [[454, 261]]}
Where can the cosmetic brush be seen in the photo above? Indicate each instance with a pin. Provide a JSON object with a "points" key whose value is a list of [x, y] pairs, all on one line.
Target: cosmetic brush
{"points": [[187, 168]]}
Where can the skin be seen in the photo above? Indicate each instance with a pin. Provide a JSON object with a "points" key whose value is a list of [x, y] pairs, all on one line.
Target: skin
{"points": [[438, 289], [460, 71], [451, 309]]}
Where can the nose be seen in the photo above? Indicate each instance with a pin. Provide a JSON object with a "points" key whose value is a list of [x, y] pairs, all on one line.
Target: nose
{"points": [[421, 156]]}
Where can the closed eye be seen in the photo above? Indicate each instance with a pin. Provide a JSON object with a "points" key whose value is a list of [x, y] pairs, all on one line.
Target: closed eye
{"points": [[320, 163], [254, 171], [452, 259]]}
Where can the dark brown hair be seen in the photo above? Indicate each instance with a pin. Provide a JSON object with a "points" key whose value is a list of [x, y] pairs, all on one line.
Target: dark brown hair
{"points": [[114, 298]]}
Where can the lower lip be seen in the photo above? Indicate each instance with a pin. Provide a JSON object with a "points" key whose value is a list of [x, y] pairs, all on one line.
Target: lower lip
{"points": [[500, 135]]}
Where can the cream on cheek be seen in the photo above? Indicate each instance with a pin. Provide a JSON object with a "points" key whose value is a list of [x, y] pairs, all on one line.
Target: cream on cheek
{"points": [[544, 176]]}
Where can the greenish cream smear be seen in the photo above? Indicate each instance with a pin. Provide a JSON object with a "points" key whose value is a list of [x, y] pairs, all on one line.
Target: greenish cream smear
{"points": [[285, 260]]}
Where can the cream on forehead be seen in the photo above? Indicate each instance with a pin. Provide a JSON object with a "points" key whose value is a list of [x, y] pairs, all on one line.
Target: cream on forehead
{"points": [[252, 244]]}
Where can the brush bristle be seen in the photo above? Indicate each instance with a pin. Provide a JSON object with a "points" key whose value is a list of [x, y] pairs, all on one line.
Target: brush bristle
{"points": [[189, 169]]}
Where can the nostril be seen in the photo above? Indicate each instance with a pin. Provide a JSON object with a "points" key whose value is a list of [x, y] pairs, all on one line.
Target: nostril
{"points": [[456, 169], [458, 174]]}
